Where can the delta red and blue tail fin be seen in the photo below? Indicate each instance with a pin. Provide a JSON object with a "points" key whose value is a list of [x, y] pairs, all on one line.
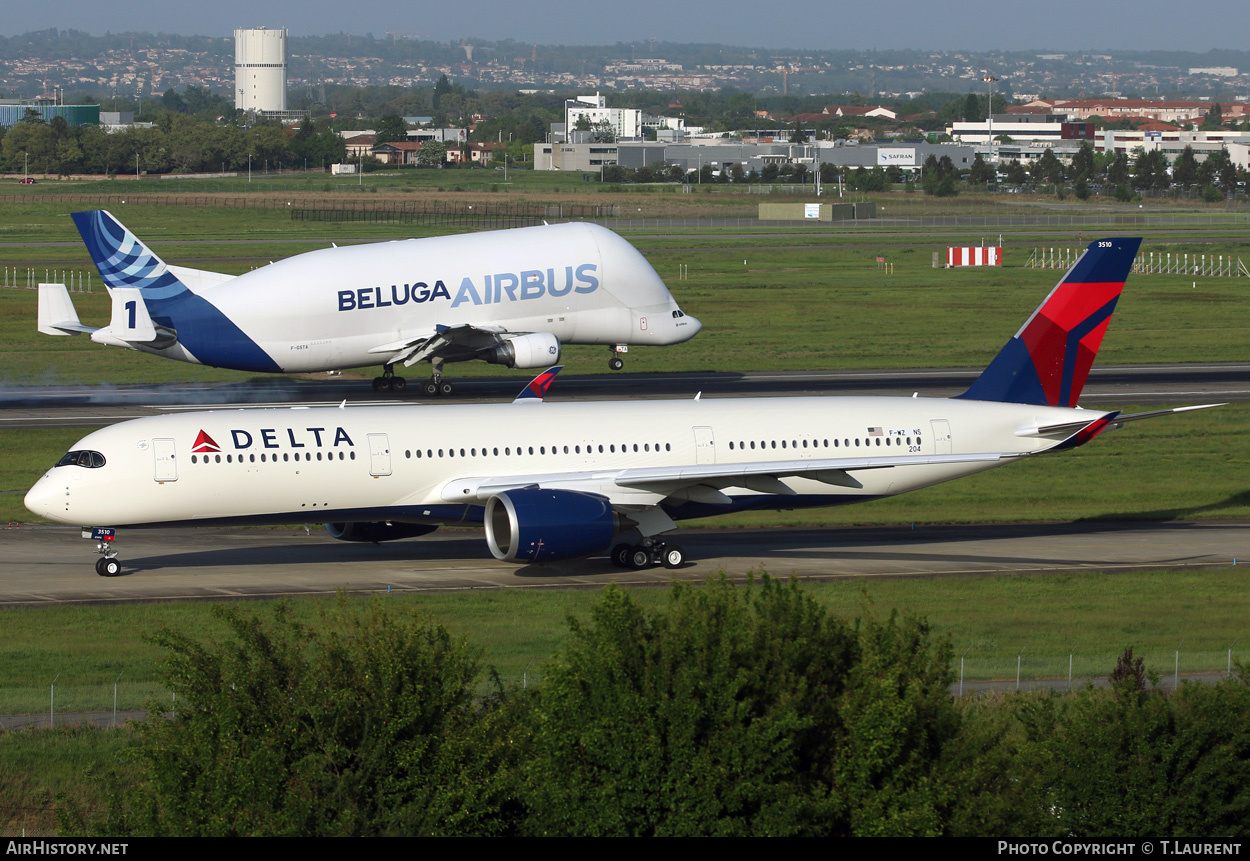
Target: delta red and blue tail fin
{"points": [[1047, 361]]}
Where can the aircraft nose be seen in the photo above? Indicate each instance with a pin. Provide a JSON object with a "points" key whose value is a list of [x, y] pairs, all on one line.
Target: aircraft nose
{"points": [[46, 499]]}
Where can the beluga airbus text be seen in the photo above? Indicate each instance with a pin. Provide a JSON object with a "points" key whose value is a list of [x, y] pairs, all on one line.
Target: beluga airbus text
{"points": [[509, 297], [559, 480]]}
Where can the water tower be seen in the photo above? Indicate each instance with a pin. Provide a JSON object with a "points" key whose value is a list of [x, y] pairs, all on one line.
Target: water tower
{"points": [[260, 69]]}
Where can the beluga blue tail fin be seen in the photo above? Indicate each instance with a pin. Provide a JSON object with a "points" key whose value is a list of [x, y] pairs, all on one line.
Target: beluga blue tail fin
{"points": [[1047, 362], [122, 258]]}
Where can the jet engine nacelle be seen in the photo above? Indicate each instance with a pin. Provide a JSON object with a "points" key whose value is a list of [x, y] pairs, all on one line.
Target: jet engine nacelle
{"points": [[538, 350], [534, 525], [376, 532]]}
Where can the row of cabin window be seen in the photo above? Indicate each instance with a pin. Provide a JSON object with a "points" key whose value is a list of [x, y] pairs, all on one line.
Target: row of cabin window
{"points": [[846, 443], [523, 450], [286, 456]]}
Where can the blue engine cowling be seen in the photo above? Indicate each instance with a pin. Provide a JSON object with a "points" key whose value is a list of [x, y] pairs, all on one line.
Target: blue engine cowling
{"points": [[376, 532], [534, 525]]}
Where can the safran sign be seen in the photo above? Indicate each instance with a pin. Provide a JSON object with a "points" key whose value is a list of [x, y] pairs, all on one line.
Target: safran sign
{"points": [[897, 156]]}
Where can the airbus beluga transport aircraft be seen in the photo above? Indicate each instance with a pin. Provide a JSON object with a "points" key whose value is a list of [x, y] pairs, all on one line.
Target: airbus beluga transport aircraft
{"points": [[553, 481], [509, 297]]}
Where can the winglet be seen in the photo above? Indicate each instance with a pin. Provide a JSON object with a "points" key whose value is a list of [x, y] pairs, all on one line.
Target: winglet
{"points": [[1048, 360], [537, 388]]}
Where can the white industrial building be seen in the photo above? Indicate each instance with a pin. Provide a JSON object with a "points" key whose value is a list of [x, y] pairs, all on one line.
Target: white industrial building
{"points": [[260, 70]]}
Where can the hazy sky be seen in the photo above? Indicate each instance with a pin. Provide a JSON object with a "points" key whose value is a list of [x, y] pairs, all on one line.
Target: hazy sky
{"points": [[1196, 25]]}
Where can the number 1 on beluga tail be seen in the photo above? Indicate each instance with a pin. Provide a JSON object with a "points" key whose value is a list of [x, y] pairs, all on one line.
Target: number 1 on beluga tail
{"points": [[508, 297], [553, 481]]}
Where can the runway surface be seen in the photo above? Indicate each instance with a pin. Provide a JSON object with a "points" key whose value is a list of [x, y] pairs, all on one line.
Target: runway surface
{"points": [[49, 565], [52, 564], [94, 406]]}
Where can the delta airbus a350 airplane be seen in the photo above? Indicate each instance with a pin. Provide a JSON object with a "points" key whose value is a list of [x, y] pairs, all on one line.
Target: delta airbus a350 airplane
{"points": [[553, 481], [508, 297]]}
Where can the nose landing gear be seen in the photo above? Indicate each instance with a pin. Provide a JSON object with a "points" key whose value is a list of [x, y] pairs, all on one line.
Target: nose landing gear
{"points": [[108, 565], [616, 362]]}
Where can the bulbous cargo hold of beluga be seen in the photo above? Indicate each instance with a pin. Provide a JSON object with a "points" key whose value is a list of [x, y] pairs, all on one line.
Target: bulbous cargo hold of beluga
{"points": [[508, 297]]}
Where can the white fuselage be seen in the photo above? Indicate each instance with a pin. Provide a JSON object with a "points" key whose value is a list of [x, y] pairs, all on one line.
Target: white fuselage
{"points": [[436, 464], [335, 307]]}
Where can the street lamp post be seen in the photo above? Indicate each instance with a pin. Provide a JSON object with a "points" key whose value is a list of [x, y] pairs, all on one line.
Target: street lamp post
{"points": [[989, 111]]}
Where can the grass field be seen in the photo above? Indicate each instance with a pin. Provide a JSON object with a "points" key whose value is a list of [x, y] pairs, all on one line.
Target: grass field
{"points": [[797, 302], [1089, 615]]}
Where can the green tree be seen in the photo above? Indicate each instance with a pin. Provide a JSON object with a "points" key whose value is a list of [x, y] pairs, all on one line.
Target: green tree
{"points": [[432, 153], [981, 172], [1118, 169], [740, 710], [390, 128], [973, 112], [1047, 168], [1083, 161], [1218, 170], [366, 723], [1185, 168], [1150, 169], [603, 132], [1133, 763]]}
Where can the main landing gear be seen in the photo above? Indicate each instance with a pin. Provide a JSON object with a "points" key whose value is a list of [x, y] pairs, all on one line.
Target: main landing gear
{"points": [[436, 386], [648, 555], [388, 381], [616, 362]]}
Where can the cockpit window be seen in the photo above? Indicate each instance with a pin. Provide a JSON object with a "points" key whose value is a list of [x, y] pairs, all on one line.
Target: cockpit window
{"points": [[89, 459], [677, 315]]}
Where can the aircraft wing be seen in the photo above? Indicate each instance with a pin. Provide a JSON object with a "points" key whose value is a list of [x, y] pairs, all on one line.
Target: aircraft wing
{"points": [[648, 486], [446, 339]]}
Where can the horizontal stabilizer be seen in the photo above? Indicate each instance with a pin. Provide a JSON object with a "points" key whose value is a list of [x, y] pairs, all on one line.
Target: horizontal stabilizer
{"points": [[57, 315], [1133, 417]]}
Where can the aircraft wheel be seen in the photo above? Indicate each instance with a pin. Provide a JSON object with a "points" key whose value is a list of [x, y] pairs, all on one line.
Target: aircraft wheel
{"points": [[99, 567], [621, 554], [640, 557], [398, 383], [381, 384], [674, 556], [616, 363], [429, 388], [106, 567], [445, 388]]}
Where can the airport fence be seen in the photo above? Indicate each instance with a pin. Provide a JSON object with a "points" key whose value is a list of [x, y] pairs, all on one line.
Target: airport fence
{"points": [[452, 213], [1150, 262], [60, 703], [29, 278]]}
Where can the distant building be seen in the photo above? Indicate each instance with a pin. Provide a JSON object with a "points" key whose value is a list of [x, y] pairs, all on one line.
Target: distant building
{"points": [[14, 110], [627, 123]]}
